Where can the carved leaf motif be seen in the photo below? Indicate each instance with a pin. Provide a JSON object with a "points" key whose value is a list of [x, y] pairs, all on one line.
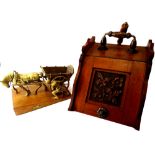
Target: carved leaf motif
{"points": [[107, 87], [99, 75]]}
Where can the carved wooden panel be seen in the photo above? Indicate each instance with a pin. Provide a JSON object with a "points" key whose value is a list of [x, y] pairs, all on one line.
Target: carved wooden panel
{"points": [[107, 87]]}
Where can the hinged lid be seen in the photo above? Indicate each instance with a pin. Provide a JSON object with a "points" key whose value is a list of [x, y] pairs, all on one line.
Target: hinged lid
{"points": [[143, 54], [130, 52]]}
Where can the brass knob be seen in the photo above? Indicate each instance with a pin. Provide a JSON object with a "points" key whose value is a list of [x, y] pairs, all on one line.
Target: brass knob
{"points": [[102, 113]]}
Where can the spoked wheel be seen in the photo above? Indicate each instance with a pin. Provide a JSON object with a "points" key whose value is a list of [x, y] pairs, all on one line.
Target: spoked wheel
{"points": [[59, 84], [62, 80]]}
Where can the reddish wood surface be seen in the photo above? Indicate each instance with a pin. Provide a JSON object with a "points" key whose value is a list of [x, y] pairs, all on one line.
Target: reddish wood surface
{"points": [[23, 104], [116, 59]]}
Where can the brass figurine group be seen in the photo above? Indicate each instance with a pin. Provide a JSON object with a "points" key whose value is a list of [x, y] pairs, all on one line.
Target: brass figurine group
{"points": [[55, 79]]}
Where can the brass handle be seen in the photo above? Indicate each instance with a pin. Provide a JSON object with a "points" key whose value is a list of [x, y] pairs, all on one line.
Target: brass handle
{"points": [[102, 113], [120, 35]]}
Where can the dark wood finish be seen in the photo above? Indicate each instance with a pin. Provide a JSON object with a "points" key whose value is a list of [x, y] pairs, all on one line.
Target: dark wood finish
{"points": [[116, 60], [23, 104]]}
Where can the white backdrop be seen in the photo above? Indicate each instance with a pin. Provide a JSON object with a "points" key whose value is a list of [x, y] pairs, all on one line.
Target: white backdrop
{"points": [[46, 32]]}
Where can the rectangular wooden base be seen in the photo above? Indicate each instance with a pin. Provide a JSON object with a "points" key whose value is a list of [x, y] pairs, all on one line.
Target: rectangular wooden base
{"points": [[23, 104]]}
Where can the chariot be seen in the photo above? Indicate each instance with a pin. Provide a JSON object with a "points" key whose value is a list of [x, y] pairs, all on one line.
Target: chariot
{"points": [[58, 78]]}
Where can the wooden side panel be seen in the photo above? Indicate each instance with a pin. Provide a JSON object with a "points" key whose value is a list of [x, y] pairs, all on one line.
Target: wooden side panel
{"points": [[134, 94], [83, 84]]}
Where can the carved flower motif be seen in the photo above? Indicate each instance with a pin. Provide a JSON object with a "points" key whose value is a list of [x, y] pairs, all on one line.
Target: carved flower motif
{"points": [[107, 87]]}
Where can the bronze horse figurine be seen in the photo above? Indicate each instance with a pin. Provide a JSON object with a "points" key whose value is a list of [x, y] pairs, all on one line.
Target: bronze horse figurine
{"points": [[22, 80]]}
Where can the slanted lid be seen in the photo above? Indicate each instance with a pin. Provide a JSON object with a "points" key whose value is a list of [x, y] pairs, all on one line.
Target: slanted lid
{"points": [[114, 51], [130, 52]]}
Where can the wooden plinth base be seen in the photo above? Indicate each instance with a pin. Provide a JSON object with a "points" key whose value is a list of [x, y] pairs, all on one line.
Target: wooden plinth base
{"points": [[23, 104]]}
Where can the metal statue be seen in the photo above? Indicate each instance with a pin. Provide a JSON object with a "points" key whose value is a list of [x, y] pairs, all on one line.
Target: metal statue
{"points": [[55, 79], [22, 80]]}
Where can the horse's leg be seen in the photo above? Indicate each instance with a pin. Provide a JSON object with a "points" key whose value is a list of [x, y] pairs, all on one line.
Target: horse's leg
{"points": [[15, 89], [38, 89], [27, 90], [45, 87]]}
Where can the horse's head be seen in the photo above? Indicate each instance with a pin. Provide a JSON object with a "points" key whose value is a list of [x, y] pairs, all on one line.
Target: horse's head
{"points": [[6, 81]]}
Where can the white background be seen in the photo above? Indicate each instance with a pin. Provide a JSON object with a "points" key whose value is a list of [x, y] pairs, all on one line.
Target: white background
{"points": [[46, 32]]}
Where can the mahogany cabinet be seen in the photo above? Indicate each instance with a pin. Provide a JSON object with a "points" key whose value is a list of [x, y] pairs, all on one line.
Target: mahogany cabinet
{"points": [[111, 81]]}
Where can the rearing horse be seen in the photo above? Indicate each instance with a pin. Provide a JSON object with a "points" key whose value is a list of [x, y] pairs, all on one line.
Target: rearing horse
{"points": [[21, 80]]}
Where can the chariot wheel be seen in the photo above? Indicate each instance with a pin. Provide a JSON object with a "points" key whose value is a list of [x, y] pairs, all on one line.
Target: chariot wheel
{"points": [[61, 79]]}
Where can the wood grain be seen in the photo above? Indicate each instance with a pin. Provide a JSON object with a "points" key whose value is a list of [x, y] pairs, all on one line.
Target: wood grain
{"points": [[23, 104], [116, 59]]}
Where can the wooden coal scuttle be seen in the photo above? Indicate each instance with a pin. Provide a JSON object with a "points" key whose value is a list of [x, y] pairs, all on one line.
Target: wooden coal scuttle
{"points": [[111, 81]]}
